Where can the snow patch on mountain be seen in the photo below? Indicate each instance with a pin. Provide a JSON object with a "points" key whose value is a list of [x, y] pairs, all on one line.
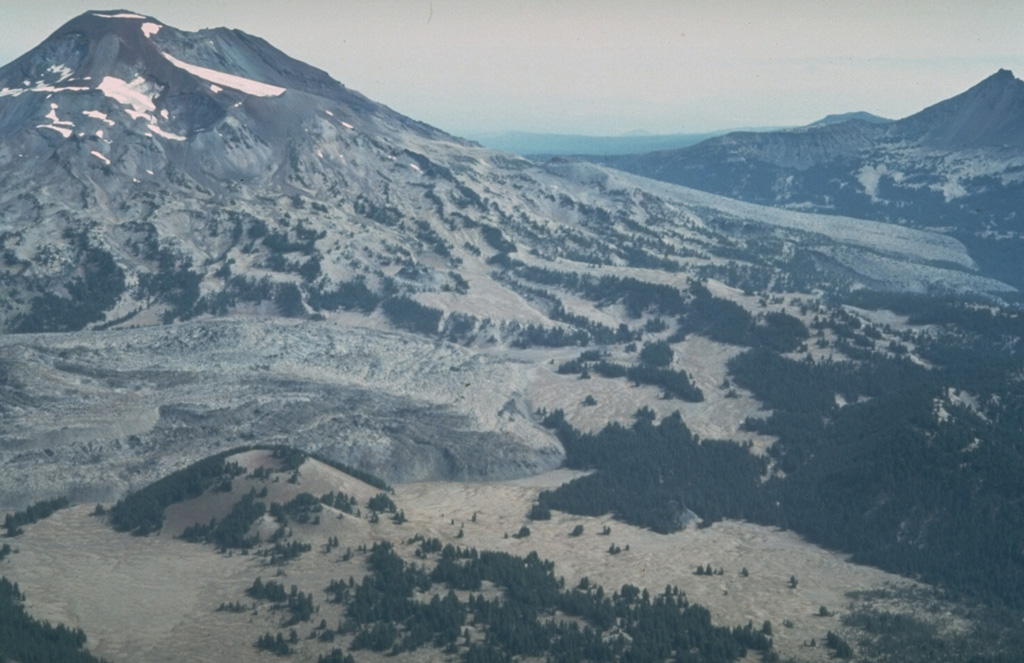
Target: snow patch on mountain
{"points": [[62, 71], [39, 86], [163, 134], [246, 85], [870, 175], [64, 131], [64, 127], [139, 97], [52, 116], [150, 29], [119, 15], [132, 94], [98, 115]]}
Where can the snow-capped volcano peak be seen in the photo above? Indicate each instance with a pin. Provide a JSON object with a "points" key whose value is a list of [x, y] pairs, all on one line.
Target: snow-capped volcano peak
{"points": [[158, 81], [105, 46], [126, 83]]}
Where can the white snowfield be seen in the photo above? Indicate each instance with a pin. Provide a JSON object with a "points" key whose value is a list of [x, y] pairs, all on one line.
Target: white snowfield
{"points": [[52, 116], [149, 29], [39, 87], [98, 115], [140, 103], [152, 126], [120, 15], [128, 94], [64, 127], [64, 131], [61, 70], [246, 85]]}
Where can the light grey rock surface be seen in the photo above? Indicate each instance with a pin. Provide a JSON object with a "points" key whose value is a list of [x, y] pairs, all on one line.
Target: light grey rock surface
{"points": [[96, 414]]}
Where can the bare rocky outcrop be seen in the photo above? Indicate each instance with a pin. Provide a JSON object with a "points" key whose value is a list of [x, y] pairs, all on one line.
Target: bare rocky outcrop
{"points": [[96, 414]]}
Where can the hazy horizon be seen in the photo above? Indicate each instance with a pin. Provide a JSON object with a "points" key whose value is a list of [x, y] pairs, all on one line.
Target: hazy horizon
{"points": [[608, 68]]}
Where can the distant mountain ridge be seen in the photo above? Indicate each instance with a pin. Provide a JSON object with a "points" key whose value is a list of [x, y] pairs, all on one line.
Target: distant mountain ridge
{"points": [[543, 144], [957, 165], [863, 116]]}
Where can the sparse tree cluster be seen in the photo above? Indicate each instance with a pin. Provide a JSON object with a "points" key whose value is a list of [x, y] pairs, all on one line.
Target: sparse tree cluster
{"points": [[381, 502], [386, 617]]}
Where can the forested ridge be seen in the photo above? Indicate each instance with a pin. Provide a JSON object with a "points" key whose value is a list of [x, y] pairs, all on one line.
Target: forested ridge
{"points": [[878, 459], [142, 512]]}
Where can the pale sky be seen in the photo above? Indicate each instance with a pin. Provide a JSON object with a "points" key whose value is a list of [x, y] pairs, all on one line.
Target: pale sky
{"points": [[603, 68]]}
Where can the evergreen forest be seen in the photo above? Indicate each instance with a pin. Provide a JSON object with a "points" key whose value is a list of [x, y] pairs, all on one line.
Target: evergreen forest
{"points": [[873, 457]]}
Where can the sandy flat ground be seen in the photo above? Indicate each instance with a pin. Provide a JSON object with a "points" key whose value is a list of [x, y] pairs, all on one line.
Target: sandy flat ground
{"points": [[155, 598]]}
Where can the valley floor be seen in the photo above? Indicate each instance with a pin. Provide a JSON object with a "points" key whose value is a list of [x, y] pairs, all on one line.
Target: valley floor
{"points": [[155, 598]]}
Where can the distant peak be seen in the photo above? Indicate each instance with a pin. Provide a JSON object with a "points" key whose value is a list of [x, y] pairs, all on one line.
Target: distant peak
{"points": [[1001, 82], [862, 116], [95, 24], [108, 19], [989, 114], [1001, 77]]}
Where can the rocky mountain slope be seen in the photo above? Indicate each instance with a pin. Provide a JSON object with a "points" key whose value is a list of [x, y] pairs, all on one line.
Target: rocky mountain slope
{"points": [[153, 176], [955, 166], [95, 415]]}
